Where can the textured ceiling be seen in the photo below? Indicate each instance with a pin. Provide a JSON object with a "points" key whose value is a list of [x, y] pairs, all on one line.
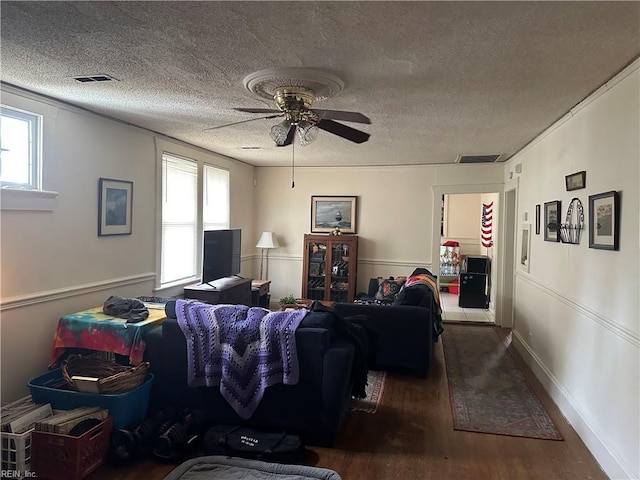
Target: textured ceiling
{"points": [[437, 79]]}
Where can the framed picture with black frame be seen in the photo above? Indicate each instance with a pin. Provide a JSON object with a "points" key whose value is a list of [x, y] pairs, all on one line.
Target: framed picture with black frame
{"points": [[575, 181], [552, 221], [538, 219], [115, 207], [604, 220]]}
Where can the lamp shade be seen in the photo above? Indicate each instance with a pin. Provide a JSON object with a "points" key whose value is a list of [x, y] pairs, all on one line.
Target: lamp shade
{"points": [[268, 240]]}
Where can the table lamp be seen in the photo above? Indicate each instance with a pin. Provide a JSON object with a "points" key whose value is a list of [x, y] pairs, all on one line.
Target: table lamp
{"points": [[267, 241]]}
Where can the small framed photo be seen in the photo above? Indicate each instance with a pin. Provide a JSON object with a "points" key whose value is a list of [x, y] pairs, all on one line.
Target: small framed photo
{"points": [[604, 220], [115, 207], [576, 181], [552, 221], [538, 219], [525, 247], [331, 213]]}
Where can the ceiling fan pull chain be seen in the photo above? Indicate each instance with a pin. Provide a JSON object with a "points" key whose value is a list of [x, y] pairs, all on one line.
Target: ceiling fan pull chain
{"points": [[293, 149]]}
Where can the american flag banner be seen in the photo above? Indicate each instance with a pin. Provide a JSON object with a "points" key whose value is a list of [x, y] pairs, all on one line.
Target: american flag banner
{"points": [[487, 225]]}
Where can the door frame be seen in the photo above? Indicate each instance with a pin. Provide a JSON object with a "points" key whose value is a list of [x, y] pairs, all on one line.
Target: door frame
{"points": [[438, 191]]}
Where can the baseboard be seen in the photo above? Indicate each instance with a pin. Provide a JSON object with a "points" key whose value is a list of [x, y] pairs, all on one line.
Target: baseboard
{"points": [[611, 464]]}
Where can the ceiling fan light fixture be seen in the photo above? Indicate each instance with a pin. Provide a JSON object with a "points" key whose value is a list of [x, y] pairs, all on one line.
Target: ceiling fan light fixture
{"points": [[307, 132], [280, 131]]}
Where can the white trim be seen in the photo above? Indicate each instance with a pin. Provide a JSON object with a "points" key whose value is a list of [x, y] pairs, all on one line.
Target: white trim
{"points": [[618, 330], [27, 200], [604, 453], [73, 291]]}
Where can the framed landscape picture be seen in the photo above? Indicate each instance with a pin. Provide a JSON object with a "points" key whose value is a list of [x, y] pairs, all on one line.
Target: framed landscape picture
{"points": [[330, 213], [576, 181], [552, 221], [115, 207], [604, 220]]}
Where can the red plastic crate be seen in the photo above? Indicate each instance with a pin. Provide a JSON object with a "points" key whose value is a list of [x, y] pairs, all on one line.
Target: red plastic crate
{"points": [[63, 457]]}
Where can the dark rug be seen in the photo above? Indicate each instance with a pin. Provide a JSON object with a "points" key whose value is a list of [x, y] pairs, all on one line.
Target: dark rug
{"points": [[374, 390], [230, 468], [488, 391]]}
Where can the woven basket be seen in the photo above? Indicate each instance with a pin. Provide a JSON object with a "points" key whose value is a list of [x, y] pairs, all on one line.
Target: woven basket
{"points": [[113, 377]]}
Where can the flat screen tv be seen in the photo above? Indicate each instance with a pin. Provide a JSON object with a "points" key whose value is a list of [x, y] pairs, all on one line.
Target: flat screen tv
{"points": [[221, 254]]}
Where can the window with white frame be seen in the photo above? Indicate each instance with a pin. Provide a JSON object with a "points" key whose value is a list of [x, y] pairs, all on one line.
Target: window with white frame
{"points": [[183, 219], [20, 134], [215, 198]]}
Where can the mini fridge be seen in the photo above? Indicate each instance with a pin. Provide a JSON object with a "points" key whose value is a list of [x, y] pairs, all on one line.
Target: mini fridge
{"points": [[472, 291]]}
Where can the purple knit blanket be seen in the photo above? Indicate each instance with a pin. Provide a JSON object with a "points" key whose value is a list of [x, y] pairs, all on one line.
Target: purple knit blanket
{"points": [[241, 349]]}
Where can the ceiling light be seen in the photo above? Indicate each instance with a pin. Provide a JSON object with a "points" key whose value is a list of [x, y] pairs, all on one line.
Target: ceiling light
{"points": [[280, 131], [307, 132]]}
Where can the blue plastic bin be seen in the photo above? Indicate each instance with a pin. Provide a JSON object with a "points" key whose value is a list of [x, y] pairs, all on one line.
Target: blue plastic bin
{"points": [[125, 408]]}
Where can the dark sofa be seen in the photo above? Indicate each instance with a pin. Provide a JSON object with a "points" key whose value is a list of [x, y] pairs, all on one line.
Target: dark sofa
{"points": [[401, 331], [314, 407]]}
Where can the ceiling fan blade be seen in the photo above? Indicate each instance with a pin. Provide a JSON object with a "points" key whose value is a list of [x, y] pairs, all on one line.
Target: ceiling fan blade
{"points": [[290, 135], [257, 110], [342, 115], [343, 131], [244, 121]]}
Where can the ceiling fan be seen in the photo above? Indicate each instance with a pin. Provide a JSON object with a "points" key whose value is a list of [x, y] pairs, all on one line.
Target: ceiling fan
{"points": [[294, 104]]}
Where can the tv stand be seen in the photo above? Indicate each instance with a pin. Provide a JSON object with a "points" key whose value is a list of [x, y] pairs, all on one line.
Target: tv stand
{"points": [[230, 290]]}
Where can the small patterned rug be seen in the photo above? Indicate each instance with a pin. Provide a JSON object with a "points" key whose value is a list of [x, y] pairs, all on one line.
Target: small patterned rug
{"points": [[488, 391], [374, 391]]}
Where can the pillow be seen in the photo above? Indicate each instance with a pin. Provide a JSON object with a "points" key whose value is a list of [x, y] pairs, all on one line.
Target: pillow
{"points": [[388, 289]]}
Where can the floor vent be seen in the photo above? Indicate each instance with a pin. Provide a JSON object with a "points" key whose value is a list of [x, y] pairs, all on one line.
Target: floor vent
{"points": [[94, 78], [477, 158]]}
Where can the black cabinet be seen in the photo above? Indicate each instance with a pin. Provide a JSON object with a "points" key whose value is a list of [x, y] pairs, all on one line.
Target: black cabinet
{"points": [[229, 290], [473, 290]]}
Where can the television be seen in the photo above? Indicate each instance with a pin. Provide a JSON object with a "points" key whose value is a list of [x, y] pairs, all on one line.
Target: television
{"points": [[221, 254]]}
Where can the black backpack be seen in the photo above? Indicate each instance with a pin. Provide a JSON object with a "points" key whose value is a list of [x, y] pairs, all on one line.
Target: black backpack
{"points": [[234, 441]]}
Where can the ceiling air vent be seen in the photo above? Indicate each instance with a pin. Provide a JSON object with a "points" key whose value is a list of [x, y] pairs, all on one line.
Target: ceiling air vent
{"points": [[477, 158], [94, 78]]}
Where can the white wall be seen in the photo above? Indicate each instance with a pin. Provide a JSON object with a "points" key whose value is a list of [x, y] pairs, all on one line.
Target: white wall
{"points": [[462, 221], [576, 311], [53, 262], [395, 215]]}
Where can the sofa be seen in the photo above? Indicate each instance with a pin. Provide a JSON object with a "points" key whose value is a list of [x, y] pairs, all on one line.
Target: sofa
{"points": [[403, 323], [314, 408]]}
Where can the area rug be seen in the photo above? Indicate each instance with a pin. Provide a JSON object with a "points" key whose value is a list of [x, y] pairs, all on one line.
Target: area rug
{"points": [[214, 467], [374, 391], [488, 391]]}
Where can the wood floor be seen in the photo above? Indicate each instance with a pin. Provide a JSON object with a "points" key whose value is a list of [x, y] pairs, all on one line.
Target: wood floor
{"points": [[411, 437]]}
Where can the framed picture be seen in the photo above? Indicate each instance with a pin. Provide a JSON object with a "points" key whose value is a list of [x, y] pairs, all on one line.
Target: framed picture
{"points": [[538, 219], [115, 207], [552, 221], [525, 247], [576, 181], [604, 220], [330, 213]]}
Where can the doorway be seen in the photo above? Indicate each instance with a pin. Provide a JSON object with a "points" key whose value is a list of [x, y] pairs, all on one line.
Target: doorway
{"points": [[467, 256], [493, 314]]}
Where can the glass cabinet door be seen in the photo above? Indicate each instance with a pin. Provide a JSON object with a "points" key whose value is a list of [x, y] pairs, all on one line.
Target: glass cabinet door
{"points": [[317, 261], [339, 285]]}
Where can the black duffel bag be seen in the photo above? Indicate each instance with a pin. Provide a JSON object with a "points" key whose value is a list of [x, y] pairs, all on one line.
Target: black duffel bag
{"points": [[234, 441]]}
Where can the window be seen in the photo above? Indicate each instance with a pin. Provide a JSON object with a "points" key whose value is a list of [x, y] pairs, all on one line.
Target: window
{"points": [[184, 219], [20, 134], [179, 219], [215, 200]]}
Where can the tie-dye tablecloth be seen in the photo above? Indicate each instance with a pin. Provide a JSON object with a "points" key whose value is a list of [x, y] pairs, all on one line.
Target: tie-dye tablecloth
{"points": [[92, 329]]}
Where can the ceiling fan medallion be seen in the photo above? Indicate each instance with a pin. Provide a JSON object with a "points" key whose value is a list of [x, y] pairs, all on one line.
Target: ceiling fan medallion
{"points": [[322, 84]]}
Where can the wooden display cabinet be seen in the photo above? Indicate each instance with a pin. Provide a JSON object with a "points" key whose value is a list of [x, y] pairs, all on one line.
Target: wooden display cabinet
{"points": [[329, 270]]}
